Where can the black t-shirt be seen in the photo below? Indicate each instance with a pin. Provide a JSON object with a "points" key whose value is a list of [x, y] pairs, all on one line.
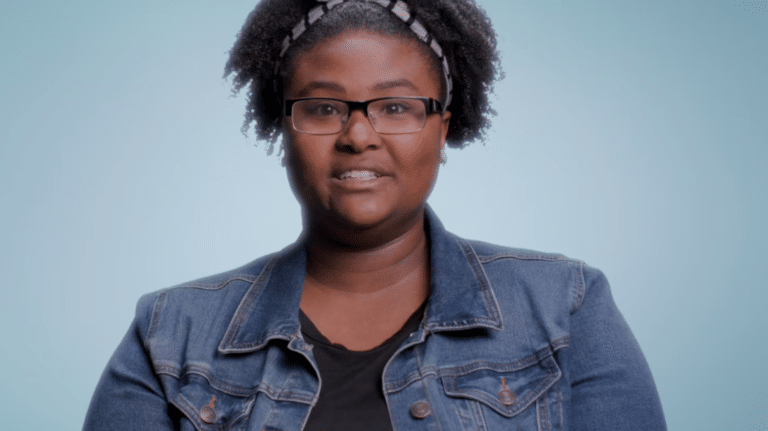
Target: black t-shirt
{"points": [[351, 396]]}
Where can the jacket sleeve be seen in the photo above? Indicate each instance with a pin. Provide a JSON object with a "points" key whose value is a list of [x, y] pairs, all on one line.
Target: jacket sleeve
{"points": [[611, 384], [129, 395]]}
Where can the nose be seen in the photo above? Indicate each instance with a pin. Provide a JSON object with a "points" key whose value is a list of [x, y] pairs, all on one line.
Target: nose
{"points": [[358, 134]]}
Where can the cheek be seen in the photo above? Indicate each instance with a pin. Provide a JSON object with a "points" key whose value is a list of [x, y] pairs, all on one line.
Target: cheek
{"points": [[423, 160], [299, 173], [429, 151], [306, 163]]}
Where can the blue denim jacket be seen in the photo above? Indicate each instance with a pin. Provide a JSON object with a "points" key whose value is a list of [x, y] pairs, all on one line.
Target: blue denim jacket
{"points": [[510, 340]]}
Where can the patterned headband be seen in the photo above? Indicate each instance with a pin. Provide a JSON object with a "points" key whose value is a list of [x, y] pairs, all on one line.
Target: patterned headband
{"points": [[397, 7]]}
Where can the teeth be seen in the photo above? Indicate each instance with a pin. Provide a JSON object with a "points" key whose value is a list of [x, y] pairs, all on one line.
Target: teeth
{"points": [[358, 175]]}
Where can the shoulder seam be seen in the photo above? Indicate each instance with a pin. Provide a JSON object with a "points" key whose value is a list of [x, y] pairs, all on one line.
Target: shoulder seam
{"points": [[153, 319], [518, 256], [579, 289], [208, 286]]}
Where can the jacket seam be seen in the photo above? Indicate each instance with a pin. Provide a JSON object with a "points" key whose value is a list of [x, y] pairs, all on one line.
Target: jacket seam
{"points": [[228, 388], [521, 364], [579, 289], [517, 256], [518, 365], [410, 378], [523, 402], [207, 286], [560, 343], [185, 406], [482, 278], [245, 304], [154, 320]]}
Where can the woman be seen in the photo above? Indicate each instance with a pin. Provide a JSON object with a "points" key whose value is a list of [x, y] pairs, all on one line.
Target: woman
{"points": [[377, 318]]}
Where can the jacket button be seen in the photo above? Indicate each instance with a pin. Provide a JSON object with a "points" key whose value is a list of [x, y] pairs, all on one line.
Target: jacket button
{"points": [[420, 409], [208, 413], [507, 397]]}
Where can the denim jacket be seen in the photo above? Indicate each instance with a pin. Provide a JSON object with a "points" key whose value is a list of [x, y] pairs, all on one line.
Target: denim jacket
{"points": [[510, 340]]}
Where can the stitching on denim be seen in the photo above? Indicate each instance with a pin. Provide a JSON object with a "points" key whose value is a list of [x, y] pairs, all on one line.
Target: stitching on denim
{"points": [[217, 384], [490, 298], [465, 419], [245, 304], [477, 411], [206, 286], [195, 418], [522, 403], [244, 413], [542, 416], [524, 256], [518, 365], [313, 402], [166, 369], [297, 336], [207, 374], [189, 411], [410, 378], [285, 394], [459, 415], [559, 407], [490, 366], [422, 381], [157, 308], [561, 342], [277, 334], [579, 289], [270, 419], [228, 388], [547, 413], [463, 324], [421, 376]]}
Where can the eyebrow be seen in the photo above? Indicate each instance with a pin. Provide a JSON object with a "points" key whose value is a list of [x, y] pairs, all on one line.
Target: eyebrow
{"points": [[395, 83], [320, 85], [332, 86]]}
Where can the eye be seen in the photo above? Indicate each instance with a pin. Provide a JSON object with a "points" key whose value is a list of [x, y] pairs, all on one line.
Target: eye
{"points": [[395, 108], [320, 108]]}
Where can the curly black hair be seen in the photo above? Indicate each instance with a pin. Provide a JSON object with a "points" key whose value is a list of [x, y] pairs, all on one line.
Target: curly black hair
{"points": [[461, 27]]}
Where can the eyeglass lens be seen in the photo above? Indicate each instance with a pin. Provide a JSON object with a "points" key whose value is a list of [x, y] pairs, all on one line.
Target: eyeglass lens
{"points": [[328, 116]]}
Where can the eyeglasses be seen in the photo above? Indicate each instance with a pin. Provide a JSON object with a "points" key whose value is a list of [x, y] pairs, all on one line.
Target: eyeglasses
{"points": [[387, 115]]}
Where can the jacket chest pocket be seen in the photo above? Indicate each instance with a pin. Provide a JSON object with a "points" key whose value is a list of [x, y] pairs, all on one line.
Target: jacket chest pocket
{"points": [[522, 395], [207, 409]]}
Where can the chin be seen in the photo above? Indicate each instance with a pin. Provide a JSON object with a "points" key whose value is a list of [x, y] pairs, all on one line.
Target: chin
{"points": [[364, 216]]}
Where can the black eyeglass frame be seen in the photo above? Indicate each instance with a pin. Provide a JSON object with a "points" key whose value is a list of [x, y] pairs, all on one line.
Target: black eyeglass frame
{"points": [[431, 105]]}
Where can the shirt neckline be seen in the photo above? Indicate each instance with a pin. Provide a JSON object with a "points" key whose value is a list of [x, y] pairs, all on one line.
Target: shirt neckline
{"points": [[310, 331]]}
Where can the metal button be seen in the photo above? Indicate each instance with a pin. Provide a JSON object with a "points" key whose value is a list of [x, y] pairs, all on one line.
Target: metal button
{"points": [[506, 396], [208, 413], [421, 409]]}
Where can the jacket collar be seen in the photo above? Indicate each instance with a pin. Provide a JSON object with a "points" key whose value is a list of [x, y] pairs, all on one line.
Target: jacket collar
{"points": [[460, 298]]}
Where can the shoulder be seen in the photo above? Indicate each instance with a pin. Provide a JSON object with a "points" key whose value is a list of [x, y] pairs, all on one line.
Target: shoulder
{"points": [[548, 277], [206, 299], [488, 252]]}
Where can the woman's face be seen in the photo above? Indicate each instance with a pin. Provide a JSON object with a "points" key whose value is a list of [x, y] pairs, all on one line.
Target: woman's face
{"points": [[358, 178]]}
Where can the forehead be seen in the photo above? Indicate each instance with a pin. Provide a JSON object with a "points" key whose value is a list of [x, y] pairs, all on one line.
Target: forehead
{"points": [[363, 62]]}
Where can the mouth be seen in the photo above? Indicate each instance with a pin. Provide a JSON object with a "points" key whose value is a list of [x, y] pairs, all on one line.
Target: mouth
{"points": [[358, 175]]}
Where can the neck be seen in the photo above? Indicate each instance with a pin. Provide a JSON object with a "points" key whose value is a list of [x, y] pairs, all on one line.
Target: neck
{"points": [[369, 269]]}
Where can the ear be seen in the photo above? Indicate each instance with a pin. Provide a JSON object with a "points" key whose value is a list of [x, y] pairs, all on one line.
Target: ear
{"points": [[444, 123]]}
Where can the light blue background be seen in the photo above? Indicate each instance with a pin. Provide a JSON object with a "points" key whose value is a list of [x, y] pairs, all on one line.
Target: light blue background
{"points": [[630, 134]]}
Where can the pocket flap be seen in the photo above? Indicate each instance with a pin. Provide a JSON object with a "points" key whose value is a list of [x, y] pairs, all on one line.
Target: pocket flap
{"points": [[210, 409], [506, 388]]}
